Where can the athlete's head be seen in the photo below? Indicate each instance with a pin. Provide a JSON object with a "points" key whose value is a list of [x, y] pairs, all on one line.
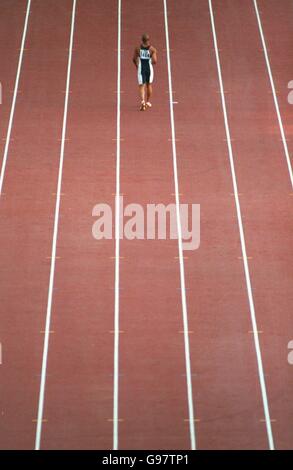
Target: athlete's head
{"points": [[145, 39]]}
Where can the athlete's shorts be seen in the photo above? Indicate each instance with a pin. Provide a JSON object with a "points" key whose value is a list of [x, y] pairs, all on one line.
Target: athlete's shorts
{"points": [[145, 74]]}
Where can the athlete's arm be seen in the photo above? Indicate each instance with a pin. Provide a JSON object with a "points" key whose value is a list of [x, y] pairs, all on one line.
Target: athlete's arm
{"points": [[154, 55], [135, 57]]}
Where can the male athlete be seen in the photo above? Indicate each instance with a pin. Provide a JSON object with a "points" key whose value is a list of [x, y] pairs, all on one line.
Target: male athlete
{"points": [[144, 57]]}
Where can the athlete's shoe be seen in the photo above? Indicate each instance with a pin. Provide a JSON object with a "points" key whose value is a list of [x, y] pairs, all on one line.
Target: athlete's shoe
{"points": [[149, 105], [143, 106]]}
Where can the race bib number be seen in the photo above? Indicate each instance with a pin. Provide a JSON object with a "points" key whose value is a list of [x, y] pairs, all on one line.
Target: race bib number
{"points": [[145, 54]]}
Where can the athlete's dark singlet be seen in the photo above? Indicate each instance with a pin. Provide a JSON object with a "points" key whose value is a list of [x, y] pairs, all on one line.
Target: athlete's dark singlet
{"points": [[145, 68]]}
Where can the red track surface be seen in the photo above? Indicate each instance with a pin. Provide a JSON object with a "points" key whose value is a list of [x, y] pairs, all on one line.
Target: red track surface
{"points": [[153, 402]]}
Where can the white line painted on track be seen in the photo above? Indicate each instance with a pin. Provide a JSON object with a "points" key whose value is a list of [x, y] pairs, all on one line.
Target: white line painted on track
{"points": [[284, 140], [54, 245], [180, 247], [242, 240], [117, 242], [10, 123]]}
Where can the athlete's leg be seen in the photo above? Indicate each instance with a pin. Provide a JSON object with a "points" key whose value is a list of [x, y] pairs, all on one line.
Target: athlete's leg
{"points": [[149, 91], [149, 94], [142, 92], [149, 85]]}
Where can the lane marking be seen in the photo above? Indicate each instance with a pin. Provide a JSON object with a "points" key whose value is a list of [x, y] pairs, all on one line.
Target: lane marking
{"points": [[54, 244], [180, 247], [15, 92], [265, 51], [242, 240], [117, 243]]}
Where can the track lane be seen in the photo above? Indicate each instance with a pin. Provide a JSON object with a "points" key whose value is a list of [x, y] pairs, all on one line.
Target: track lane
{"points": [[275, 92], [266, 204], [25, 211], [226, 387], [79, 383], [12, 18], [152, 363], [276, 19]]}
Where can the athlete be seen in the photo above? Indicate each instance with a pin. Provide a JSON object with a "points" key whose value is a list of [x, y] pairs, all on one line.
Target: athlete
{"points": [[144, 57]]}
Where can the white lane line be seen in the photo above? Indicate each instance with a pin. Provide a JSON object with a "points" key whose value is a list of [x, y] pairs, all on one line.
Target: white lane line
{"points": [[243, 244], [54, 245], [180, 247], [274, 93], [10, 123], [117, 244]]}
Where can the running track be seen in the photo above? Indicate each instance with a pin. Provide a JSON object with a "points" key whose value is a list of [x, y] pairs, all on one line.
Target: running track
{"points": [[136, 344]]}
